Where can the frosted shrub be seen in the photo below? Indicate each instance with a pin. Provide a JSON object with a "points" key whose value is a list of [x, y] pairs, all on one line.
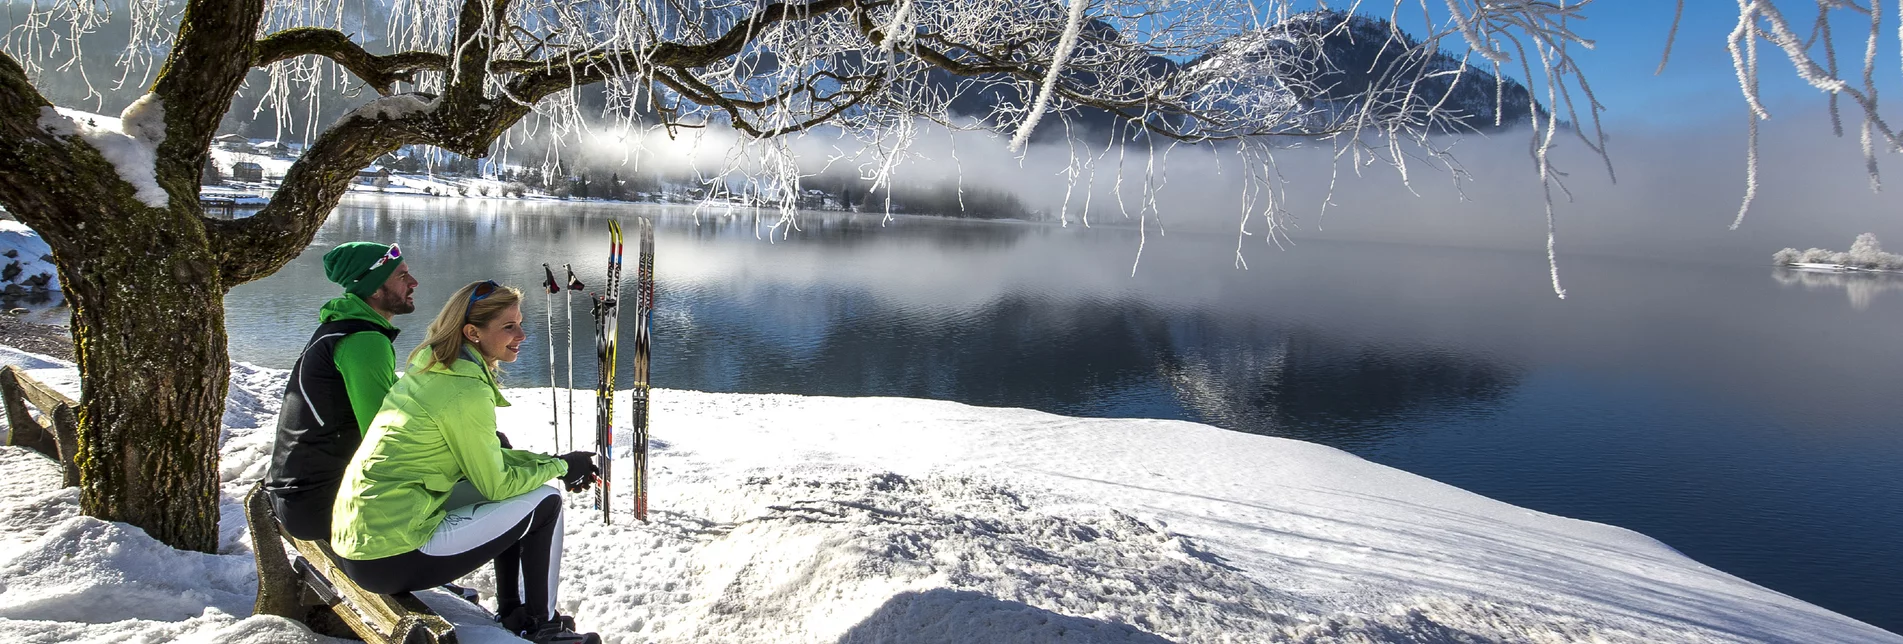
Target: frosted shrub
{"points": [[1866, 252], [1818, 256]]}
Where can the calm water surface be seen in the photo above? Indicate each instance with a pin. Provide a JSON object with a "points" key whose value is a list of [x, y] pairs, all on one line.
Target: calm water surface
{"points": [[1744, 415]]}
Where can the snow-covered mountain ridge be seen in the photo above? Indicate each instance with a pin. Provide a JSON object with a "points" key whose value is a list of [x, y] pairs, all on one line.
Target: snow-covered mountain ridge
{"points": [[783, 518], [1333, 62]]}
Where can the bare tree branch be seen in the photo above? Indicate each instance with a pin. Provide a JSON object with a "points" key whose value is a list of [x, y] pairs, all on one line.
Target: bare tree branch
{"points": [[479, 30], [208, 63], [381, 73]]}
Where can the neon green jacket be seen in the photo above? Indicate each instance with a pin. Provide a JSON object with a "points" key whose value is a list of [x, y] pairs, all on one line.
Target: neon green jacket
{"points": [[437, 426], [365, 360]]}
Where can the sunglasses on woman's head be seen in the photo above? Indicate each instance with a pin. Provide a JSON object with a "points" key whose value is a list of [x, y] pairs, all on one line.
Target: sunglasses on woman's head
{"points": [[483, 290], [394, 255]]}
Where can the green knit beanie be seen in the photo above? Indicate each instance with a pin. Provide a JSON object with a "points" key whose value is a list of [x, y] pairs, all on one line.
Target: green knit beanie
{"points": [[349, 266]]}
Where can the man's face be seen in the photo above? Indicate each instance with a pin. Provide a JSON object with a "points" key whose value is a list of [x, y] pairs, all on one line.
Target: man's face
{"points": [[397, 294]]}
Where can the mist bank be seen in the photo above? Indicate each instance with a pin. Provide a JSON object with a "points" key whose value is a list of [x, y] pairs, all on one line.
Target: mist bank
{"points": [[1676, 192]]}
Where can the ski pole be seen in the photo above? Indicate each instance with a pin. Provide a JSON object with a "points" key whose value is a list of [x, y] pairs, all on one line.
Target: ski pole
{"points": [[548, 320], [573, 285]]}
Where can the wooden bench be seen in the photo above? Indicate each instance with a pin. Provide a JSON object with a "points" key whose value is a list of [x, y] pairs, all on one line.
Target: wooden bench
{"points": [[310, 580], [54, 432]]}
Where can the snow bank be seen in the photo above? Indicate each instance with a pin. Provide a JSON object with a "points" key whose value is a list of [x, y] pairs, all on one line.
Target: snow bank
{"points": [[130, 142], [806, 519], [26, 262]]}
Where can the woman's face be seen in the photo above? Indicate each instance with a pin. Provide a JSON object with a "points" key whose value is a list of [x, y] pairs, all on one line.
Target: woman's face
{"points": [[501, 339]]}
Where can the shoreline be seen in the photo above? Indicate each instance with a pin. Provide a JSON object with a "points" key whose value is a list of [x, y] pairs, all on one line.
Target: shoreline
{"points": [[45, 339]]}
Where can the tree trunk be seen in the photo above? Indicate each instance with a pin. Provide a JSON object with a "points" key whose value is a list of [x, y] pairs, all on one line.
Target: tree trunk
{"points": [[149, 329], [147, 283]]}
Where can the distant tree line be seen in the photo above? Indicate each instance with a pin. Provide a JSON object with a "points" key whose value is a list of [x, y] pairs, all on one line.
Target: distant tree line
{"points": [[945, 197]]}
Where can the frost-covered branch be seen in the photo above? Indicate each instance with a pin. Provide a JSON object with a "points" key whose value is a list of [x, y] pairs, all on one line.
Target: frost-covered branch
{"points": [[381, 73], [1762, 21]]}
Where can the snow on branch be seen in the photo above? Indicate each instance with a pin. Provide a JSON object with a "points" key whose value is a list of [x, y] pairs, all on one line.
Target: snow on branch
{"points": [[1065, 44], [390, 108], [130, 143]]}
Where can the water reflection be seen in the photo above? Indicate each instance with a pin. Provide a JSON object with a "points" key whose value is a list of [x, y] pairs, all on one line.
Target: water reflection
{"points": [[857, 305], [1308, 385], [1861, 286]]}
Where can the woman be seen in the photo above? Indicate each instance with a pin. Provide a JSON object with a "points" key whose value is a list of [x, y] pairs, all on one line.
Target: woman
{"points": [[432, 493]]}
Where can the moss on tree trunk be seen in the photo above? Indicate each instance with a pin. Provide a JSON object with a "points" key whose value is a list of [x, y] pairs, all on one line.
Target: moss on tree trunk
{"points": [[149, 329]]}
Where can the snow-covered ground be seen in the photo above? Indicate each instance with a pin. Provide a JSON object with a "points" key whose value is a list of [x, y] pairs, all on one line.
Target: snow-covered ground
{"points": [[1834, 268], [805, 519], [21, 245], [235, 196]]}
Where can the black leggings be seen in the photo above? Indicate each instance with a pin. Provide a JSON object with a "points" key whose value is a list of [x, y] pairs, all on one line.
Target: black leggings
{"points": [[522, 534]]}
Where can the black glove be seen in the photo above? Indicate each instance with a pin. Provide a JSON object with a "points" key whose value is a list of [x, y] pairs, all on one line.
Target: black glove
{"points": [[581, 470], [505, 440]]}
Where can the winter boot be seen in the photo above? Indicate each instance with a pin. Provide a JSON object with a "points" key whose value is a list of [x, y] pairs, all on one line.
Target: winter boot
{"points": [[516, 620], [554, 632]]}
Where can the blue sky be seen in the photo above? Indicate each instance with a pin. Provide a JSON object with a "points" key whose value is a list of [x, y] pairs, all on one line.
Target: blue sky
{"points": [[1699, 86], [1700, 83]]}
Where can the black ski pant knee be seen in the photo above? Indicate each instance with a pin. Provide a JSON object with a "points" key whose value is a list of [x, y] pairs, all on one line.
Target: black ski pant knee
{"points": [[522, 534], [303, 514]]}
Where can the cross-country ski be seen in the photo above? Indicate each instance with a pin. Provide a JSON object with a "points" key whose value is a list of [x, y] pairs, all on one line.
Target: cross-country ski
{"points": [[607, 313], [643, 318]]}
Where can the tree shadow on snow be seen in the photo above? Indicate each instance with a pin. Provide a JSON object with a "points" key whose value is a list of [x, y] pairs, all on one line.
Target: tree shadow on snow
{"points": [[945, 616]]}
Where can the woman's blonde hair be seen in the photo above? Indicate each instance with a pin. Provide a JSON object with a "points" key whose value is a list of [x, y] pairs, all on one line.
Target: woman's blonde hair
{"points": [[444, 339]]}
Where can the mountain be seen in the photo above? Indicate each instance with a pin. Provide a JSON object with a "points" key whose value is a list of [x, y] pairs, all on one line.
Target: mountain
{"points": [[1330, 63], [1320, 64]]}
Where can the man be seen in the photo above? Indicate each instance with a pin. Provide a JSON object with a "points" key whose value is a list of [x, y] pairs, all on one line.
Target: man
{"points": [[338, 384]]}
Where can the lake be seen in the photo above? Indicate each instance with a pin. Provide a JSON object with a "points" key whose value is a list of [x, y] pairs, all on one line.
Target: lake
{"points": [[1743, 414]]}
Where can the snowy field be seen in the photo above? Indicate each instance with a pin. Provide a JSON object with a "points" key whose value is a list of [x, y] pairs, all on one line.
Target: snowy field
{"points": [[806, 519]]}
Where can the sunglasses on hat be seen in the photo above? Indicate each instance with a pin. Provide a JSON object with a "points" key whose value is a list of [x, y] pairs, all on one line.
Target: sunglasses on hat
{"points": [[394, 255]]}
